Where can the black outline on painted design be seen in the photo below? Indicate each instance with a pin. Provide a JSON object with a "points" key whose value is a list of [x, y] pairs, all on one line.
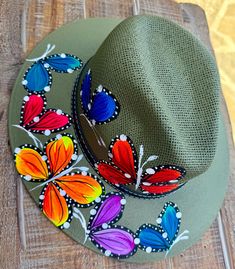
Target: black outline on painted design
{"points": [[110, 225], [70, 201], [44, 110], [48, 70], [160, 229], [92, 97]]}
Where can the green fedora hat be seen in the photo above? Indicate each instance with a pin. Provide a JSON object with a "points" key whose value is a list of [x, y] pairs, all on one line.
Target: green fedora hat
{"points": [[116, 131]]}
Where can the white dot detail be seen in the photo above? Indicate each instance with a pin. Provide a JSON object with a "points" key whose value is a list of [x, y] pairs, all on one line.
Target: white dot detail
{"points": [[89, 106], [44, 157], [178, 215], [150, 171], [123, 137], [70, 70], [58, 111], [46, 65], [93, 122], [74, 157], [66, 225], [148, 250], [104, 225], [62, 192], [47, 88], [97, 199], [110, 155], [100, 88], [24, 82], [17, 150], [26, 98], [123, 201], [36, 119], [27, 177], [159, 220], [58, 137], [107, 253], [63, 55], [93, 211], [84, 173], [127, 175], [41, 197], [164, 235], [137, 241], [47, 132]]}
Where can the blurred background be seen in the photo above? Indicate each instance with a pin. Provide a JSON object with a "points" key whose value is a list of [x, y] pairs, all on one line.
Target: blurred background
{"points": [[221, 19]]}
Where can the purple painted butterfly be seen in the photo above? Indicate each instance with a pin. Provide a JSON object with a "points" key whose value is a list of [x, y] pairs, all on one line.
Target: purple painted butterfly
{"points": [[113, 240]]}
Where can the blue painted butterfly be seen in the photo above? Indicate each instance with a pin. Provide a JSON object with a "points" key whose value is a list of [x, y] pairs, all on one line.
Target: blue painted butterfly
{"points": [[38, 78], [164, 236], [102, 106]]}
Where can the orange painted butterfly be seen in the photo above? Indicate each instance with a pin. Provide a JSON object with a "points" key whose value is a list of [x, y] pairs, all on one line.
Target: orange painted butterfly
{"points": [[63, 185]]}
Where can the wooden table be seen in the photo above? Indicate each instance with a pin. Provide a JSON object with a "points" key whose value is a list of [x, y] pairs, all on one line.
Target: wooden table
{"points": [[23, 23]]}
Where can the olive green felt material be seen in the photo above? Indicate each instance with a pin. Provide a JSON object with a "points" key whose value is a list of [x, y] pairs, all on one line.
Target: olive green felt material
{"points": [[168, 87]]}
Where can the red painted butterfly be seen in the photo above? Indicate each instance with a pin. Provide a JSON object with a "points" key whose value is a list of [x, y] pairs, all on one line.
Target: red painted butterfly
{"points": [[35, 118], [124, 168]]}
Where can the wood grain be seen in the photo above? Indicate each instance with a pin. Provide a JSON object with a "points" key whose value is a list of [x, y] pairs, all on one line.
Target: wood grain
{"points": [[23, 24]]}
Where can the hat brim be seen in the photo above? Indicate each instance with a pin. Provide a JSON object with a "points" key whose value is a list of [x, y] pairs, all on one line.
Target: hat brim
{"points": [[199, 200]]}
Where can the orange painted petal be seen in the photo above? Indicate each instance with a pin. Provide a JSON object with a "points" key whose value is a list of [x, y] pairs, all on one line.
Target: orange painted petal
{"points": [[30, 163], [54, 205], [59, 153], [82, 189]]}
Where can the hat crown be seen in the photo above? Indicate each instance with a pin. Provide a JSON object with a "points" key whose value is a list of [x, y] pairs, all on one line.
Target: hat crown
{"points": [[168, 89]]}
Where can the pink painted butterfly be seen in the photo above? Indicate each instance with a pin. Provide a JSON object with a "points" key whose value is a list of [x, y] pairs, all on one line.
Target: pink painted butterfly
{"points": [[124, 168], [36, 118], [113, 240]]}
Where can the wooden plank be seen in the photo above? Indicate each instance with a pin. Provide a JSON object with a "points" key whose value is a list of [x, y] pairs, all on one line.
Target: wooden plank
{"points": [[10, 51], [47, 247]]}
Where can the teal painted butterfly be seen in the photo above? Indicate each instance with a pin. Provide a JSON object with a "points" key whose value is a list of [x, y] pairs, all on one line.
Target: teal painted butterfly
{"points": [[38, 78]]}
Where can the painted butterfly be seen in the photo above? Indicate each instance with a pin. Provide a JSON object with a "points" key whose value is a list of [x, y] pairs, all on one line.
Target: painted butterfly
{"points": [[113, 240], [164, 236], [102, 107], [38, 78], [35, 118], [124, 167], [56, 172]]}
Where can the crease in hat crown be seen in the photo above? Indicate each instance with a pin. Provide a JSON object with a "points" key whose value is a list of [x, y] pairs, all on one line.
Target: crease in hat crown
{"points": [[168, 89]]}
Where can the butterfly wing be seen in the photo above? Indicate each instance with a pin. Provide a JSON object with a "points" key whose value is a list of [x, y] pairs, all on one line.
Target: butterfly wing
{"points": [[37, 78], [84, 189], [30, 163], [103, 106], [108, 211], [32, 107], [53, 203], [86, 91], [60, 152], [115, 241], [50, 121], [63, 63], [170, 219], [162, 179], [112, 174], [152, 238]]}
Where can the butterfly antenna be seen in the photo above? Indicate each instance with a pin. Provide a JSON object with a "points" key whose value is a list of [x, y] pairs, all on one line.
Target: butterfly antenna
{"points": [[63, 173], [36, 141], [78, 215], [48, 50], [140, 167], [181, 237]]}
